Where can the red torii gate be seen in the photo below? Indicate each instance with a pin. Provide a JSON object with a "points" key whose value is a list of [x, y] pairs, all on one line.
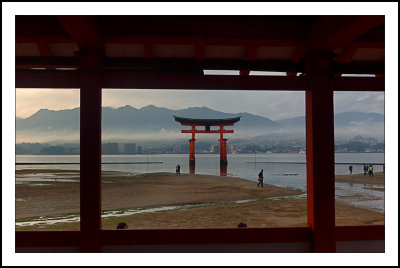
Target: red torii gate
{"points": [[207, 123]]}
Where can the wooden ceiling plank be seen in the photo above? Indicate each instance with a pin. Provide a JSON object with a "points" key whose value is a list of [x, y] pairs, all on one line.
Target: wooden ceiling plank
{"points": [[44, 48], [332, 32], [83, 30]]}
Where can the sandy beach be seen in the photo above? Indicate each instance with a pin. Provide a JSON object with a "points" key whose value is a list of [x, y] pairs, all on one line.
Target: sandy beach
{"points": [[376, 179], [213, 199]]}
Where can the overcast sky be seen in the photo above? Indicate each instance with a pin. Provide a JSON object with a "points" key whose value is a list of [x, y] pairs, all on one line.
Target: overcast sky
{"points": [[273, 105]]}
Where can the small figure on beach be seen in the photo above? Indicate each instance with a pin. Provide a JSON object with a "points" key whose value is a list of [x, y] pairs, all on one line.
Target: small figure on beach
{"points": [[365, 169], [242, 225], [261, 178], [178, 169], [351, 169], [122, 225], [371, 170]]}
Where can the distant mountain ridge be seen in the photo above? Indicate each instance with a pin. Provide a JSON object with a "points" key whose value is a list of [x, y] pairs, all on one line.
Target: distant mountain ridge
{"points": [[126, 120], [129, 119]]}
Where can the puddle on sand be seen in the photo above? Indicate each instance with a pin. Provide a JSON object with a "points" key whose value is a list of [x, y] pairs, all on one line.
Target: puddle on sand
{"points": [[360, 196], [129, 212], [34, 179]]}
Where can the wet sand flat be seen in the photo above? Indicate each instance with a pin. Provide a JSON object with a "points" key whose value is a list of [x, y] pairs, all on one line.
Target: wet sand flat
{"points": [[377, 179], [123, 191]]}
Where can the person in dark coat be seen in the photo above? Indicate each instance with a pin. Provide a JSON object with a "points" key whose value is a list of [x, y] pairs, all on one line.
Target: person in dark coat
{"points": [[261, 178]]}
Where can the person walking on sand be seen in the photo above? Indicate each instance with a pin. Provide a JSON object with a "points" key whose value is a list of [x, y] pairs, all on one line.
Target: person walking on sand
{"points": [[261, 178], [365, 169], [372, 170], [351, 169], [178, 169]]}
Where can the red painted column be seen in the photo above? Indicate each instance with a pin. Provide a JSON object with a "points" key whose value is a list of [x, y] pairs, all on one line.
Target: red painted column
{"points": [[320, 153], [90, 150], [222, 151], [191, 151]]}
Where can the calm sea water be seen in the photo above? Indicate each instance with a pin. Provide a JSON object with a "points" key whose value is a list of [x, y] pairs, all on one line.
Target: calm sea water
{"points": [[288, 170]]}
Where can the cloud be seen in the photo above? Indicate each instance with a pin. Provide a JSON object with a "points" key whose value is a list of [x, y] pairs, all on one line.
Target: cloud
{"points": [[367, 102], [29, 101]]}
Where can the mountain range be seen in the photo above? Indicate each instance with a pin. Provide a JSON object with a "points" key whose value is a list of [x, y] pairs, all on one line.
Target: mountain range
{"points": [[150, 121]]}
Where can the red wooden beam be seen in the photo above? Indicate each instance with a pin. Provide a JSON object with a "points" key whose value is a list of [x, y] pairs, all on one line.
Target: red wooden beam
{"points": [[148, 50], [46, 79], [200, 40], [299, 52], [244, 72], [203, 82], [359, 84], [206, 236], [347, 54], [44, 48], [200, 48], [46, 62], [332, 32], [70, 79], [47, 238], [204, 64], [251, 52], [195, 236], [186, 65], [207, 131], [47, 38], [83, 30], [365, 232]]}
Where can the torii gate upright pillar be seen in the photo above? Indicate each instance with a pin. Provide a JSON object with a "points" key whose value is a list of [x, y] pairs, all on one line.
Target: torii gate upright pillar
{"points": [[191, 152], [222, 151]]}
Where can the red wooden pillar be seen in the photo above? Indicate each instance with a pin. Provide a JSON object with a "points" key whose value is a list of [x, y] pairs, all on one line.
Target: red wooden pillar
{"points": [[320, 153], [244, 72], [90, 150]]}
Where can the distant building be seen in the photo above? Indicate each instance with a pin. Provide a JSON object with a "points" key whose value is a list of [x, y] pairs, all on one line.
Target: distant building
{"points": [[213, 148], [139, 149], [109, 148], [129, 148]]}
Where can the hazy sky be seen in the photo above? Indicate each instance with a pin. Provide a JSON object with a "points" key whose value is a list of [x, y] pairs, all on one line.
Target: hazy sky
{"points": [[274, 105]]}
